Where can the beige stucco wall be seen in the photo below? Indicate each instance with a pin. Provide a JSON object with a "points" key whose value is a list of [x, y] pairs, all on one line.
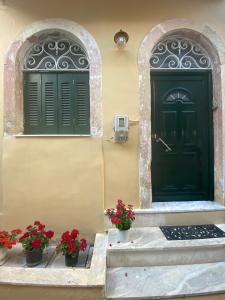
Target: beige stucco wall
{"points": [[68, 181], [49, 293]]}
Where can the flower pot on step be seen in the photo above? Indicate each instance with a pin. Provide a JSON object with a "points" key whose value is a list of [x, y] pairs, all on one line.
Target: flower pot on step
{"points": [[3, 254], [71, 261], [34, 257], [123, 236]]}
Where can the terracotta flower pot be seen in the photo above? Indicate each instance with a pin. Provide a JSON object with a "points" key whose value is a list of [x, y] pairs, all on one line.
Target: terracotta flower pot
{"points": [[123, 235], [3, 254], [71, 261], [34, 257]]}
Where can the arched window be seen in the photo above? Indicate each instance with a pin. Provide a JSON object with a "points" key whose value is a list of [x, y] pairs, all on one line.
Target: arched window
{"points": [[179, 53], [56, 87]]}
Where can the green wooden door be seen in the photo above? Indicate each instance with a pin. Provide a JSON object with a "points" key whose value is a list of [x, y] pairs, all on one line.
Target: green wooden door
{"points": [[182, 147]]}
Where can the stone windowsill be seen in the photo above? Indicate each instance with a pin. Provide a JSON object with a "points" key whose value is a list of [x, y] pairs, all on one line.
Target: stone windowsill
{"points": [[61, 276], [50, 135]]}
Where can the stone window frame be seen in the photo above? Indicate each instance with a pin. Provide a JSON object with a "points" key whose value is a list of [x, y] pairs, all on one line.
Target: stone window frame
{"points": [[215, 47], [13, 73]]}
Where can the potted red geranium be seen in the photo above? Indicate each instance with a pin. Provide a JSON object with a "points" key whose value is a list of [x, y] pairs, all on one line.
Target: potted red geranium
{"points": [[70, 246], [7, 240], [122, 217], [34, 240]]}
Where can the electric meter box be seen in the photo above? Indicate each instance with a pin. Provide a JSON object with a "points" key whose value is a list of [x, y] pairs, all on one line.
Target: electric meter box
{"points": [[120, 126]]}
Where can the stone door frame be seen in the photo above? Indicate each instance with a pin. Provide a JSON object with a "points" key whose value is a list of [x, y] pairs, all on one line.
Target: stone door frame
{"points": [[215, 48]]}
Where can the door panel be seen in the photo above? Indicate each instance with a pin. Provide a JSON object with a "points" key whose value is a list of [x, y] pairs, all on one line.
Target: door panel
{"points": [[182, 152]]}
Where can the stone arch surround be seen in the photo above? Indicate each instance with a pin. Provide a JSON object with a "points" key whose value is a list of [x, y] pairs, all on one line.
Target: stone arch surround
{"points": [[215, 47], [13, 84]]}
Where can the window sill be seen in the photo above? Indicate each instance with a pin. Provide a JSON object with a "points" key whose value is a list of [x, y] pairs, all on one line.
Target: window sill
{"points": [[50, 135]]}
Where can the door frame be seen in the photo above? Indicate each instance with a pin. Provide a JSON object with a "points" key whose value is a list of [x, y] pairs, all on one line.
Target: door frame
{"points": [[215, 47], [208, 74]]}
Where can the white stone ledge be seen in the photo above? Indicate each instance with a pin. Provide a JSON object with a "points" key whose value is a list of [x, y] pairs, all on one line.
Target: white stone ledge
{"points": [[61, 277], [152, 239], [182, 206], [177, 213], [50, 135]]}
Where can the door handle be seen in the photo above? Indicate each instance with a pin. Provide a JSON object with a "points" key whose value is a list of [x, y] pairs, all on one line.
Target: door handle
{"points": [[168, 149]]}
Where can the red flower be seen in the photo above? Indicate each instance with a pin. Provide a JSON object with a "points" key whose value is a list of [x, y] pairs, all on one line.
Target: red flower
{"points": [[130, 214], [118, 213], [29, 227], [16, 231], [37, 223], [3, 240], [3, 232], [74, 233], [34, 232], [36, 243], [120, 204], [115, 220], [41, 226], [26, 234], [123, 216], [49, 234], [72, 248], [66, 236], [83, 244], [9, 244]]}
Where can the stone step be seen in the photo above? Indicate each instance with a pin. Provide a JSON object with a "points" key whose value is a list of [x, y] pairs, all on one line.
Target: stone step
{"points": [[148, 247], [178, 213], [166, 282]]}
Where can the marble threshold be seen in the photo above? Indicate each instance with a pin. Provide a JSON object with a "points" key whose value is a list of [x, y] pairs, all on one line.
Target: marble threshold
{"points": [[153, 238], [165, 281], [182, 206], [55, 273]]}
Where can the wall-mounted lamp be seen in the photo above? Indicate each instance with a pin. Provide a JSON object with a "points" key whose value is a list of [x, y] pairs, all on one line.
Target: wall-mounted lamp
{"points": [[121, 38]]}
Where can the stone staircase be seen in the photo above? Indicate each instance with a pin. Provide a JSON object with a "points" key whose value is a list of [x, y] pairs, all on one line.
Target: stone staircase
{"points": [[178, 213], [151, 267]]}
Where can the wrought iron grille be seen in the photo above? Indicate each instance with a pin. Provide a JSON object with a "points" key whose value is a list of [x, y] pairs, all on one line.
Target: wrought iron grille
{"points": [[179, 53], [56, 54]]}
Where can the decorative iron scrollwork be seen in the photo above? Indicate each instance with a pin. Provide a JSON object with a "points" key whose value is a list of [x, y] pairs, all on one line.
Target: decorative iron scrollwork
{"points": [[179, 53], [56, 54]]}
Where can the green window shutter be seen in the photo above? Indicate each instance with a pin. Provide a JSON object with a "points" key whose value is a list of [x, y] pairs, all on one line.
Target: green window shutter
{"points": [[32, 103], [66, 103], [56, 103], [49, 104], [82, 103]]}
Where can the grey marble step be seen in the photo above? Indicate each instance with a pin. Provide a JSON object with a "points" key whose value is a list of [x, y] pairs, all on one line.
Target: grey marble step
{"points": [[178, 213], [148, 247], [165, 281]]}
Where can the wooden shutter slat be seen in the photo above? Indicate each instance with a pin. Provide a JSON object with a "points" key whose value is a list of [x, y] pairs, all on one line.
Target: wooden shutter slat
{"points": [[82, 103], [49, 103], [32, 103], [66, 109]]}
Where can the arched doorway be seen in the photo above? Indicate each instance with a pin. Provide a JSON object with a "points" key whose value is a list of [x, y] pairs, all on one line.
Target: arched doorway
{"points": [[211, 43], [181, 121]]}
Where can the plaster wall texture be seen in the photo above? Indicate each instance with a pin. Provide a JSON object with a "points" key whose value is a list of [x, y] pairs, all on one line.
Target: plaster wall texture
{"points": [[66, 181], [48, 293]]}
